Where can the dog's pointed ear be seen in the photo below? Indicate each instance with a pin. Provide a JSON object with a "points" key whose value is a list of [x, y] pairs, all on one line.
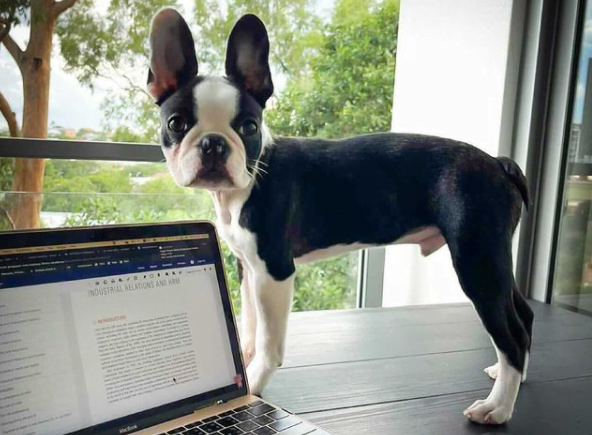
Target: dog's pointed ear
{"points": [[247, 58], [172, 54]]}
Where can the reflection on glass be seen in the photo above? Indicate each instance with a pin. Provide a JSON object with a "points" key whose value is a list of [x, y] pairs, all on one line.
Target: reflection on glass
{"points": [[80, 193], [572, 285]]}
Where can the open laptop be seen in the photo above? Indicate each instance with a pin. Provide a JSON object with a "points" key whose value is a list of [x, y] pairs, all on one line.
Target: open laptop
{"points": [[124, 329]]}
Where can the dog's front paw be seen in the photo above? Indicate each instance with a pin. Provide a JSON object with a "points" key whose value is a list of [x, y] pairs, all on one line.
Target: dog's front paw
{"points": [[258, 373], [488, 412]]}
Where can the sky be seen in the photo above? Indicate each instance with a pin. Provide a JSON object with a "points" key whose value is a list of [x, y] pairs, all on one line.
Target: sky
{"points": [[71, 104]]}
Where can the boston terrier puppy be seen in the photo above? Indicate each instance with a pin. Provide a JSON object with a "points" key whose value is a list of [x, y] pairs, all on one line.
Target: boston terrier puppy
{"points": [[282, 201]]}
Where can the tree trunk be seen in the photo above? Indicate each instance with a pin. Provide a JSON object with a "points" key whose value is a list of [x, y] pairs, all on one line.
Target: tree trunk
{"points": [[35, 68], [10, 117]]}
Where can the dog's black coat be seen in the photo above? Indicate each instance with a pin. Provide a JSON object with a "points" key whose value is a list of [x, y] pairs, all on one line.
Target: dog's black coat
{"points": [[374, 189]]}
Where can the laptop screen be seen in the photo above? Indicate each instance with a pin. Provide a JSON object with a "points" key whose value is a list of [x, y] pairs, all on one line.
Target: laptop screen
{"points": [[111, 330]]}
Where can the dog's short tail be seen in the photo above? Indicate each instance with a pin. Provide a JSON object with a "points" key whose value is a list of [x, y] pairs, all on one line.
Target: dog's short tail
{"points": [[513, 171]]}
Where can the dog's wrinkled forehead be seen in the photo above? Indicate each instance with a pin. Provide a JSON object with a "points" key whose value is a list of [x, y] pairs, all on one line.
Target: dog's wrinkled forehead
{"points": [[216, 100]]}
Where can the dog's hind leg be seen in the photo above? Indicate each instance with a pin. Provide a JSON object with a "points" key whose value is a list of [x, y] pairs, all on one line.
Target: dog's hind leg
{"points": [[273, 301], [527, 317], [484, 269]]}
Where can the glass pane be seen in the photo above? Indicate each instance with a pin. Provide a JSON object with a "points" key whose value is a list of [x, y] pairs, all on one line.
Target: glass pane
{"points": [[572, 285], [80, 193]]}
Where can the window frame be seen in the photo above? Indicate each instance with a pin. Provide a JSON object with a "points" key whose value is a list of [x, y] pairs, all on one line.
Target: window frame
{"points": [[545, 96], [574, 45]]}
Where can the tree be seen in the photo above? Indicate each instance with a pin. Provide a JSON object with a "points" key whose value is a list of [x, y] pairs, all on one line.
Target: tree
{"points": [[34, 63], [293, 28], [349, 89]]}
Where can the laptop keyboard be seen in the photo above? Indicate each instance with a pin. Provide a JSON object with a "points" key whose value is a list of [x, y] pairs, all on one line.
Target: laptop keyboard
{"points": [[257, 418]]}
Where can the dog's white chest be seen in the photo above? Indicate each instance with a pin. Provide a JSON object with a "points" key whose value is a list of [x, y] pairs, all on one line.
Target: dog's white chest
{"points": [[241, 241]]}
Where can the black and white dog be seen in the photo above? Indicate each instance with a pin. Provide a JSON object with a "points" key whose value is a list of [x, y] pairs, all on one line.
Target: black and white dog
{"points": [[282, 201]]}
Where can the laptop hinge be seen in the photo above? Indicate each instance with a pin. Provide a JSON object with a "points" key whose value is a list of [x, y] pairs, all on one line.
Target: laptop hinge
{"points": [[219, 402]]}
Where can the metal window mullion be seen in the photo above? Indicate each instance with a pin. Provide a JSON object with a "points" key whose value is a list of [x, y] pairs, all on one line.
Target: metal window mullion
{"points": [[531, 115], [371, 277]]}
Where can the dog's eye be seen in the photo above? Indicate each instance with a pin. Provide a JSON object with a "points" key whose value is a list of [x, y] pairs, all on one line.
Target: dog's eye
{"points": [[249, 128], [176, 124]]}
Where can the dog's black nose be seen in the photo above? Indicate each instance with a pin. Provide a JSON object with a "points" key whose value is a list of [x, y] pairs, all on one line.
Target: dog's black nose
{"points": [[213, 148]]}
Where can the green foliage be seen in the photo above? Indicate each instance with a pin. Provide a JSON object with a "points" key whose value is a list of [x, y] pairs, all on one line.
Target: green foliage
{"points": [[94, 211], [292, 25], [6, 168], [145, 169], [116, 110], [123, 133], [336, 277], [114, 45], [159, 185], [93, 43], [80, 177], [232, 277], [350, 86]]}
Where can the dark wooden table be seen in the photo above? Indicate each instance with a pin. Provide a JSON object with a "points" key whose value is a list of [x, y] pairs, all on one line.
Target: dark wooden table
{"points": [[413, 371]]}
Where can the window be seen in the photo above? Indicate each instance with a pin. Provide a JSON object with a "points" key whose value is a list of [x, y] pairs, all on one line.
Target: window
{"points": [[572, 284], [97, 96]]}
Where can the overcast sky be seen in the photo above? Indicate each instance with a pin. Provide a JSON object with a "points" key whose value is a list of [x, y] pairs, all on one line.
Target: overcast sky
{"points": [[71, 104]]}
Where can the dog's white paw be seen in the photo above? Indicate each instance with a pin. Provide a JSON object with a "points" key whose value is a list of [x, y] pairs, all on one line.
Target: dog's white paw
{"points": [[258, 373], [488, 412], [492, 370]]}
